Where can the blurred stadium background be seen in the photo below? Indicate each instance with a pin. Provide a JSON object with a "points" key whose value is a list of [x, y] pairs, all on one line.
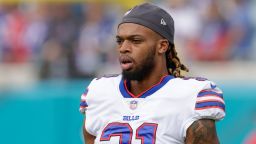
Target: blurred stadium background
{"points": [[51, 49]]}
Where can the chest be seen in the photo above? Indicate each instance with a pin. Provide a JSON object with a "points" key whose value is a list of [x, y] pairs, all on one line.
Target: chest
{"points": [[159, 105], [157, 118]]}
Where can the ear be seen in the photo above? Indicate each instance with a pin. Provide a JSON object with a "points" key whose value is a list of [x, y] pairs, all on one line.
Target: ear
{"points": [[163, 46]]}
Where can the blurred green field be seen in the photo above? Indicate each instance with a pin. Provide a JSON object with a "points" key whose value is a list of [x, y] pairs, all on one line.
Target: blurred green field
{"points": [[47, 113]]}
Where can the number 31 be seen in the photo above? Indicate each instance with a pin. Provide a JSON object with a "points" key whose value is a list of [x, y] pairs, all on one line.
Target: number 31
{"points": [[145, 132]]}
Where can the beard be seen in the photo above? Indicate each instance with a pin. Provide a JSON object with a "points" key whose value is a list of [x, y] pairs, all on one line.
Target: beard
{"points": [[143, 69]]}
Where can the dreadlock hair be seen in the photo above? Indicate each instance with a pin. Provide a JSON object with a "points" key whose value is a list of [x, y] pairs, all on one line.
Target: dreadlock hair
{"points": [[173, 62]]}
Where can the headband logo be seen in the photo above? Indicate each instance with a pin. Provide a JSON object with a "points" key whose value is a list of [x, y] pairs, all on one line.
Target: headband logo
{"points": [[163, 22], [127, 12]]}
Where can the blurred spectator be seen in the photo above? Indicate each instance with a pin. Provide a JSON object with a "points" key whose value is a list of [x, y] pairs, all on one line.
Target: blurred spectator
{"points": [[37, 28], [13, 29], [54, 60], [213, 30], [93, 42], [183, 13], [241, 29], [187, 21], [67, 40], [213, 41], [2, 27], [61, 39]]}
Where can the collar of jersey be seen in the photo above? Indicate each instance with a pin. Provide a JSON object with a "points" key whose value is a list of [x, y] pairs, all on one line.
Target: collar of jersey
{"points": [[127, 94]]}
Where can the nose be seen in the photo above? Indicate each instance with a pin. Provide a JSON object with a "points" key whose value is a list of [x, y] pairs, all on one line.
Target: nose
{"points": [[125, 47]]}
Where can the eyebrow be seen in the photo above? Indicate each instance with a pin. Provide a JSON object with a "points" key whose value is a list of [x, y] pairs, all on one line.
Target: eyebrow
{"points": [[128, 37]]}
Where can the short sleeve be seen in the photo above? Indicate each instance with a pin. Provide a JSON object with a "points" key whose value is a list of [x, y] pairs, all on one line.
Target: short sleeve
{"points": [[83, 103], [84, 97], [209, 104]]}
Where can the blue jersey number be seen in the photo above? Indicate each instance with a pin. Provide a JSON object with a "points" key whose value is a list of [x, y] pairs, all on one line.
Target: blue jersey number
{"points": [[123, 130], [146, 132]]}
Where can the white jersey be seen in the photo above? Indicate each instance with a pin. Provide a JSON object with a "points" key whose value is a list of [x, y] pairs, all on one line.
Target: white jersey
{"points": [[160, 115]]}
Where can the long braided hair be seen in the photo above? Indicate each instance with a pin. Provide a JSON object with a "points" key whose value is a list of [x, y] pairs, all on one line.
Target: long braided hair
{"points": [[175, 67]]}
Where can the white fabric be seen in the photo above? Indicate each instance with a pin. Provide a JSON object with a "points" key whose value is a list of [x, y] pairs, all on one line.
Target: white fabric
{"points": [[172, 108]]}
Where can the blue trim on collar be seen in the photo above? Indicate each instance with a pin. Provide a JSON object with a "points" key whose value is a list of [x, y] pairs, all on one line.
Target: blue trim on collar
{"points": [[147, 93]]}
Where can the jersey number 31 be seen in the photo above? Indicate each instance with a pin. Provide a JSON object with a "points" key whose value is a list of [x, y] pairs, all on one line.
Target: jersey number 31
{"points": [[145, 132]]}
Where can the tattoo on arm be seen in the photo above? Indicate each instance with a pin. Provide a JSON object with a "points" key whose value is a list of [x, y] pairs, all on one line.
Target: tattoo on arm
{"points": [[202, 132]]}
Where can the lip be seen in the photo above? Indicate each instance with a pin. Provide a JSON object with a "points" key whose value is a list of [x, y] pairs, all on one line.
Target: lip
{"points": [[126, 66], [126, 62]]}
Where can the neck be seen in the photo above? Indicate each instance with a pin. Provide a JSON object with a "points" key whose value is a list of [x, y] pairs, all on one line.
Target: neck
{"points": [[138, 87]]}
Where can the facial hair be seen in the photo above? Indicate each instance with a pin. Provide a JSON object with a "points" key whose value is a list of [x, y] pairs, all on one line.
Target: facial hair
{"points": [[143, 69]]}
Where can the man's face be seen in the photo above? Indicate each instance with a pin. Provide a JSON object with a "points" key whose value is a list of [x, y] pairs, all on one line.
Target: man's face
{"points": [[137, 50]]}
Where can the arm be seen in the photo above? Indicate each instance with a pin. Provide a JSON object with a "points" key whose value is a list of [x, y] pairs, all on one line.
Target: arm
{"points": [[202, 132], [88, 138]]}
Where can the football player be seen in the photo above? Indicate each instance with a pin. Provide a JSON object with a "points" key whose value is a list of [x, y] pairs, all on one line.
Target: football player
{"points": [[151, 102]]}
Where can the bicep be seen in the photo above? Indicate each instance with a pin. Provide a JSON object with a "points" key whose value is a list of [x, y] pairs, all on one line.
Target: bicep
{"points": [[88, 138], [202, 131]]}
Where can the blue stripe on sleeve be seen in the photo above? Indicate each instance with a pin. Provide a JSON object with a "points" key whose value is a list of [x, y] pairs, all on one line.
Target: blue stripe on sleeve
{"points": [[210, 104], [83, 104], [204, 93]]}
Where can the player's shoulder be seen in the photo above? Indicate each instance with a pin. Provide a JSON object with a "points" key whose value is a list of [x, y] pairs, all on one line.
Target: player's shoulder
{"points": [[209, 95], [105, 80], [195, 80], [194, 83], [108, 77]]}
